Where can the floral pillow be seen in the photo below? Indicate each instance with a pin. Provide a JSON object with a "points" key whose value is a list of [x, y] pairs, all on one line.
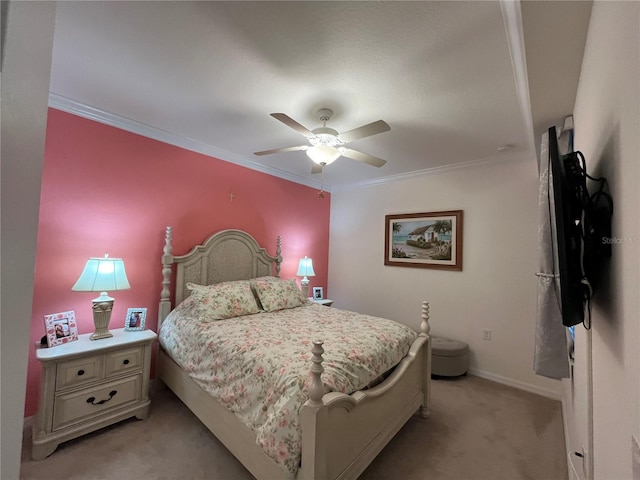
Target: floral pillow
{"points": [[223, 300], [187, 308], [278, 294], [260, 279]]}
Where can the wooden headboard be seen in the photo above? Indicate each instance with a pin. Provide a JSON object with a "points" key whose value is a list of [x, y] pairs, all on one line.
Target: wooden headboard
{"points": [[224, 256]]}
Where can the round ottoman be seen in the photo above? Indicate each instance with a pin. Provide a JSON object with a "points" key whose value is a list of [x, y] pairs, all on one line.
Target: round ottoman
{"points": [[449, 358]]}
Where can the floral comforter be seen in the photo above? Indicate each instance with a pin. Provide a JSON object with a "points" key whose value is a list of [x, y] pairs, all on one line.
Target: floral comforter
{"points": [[258, 365]]}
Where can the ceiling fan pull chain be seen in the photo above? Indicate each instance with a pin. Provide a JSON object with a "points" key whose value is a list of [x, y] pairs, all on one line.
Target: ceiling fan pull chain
{"points": [[321, 192]]}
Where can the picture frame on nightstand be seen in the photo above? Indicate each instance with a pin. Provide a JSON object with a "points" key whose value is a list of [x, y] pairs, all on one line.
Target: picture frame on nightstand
{"points": [[61, 328], [135, 319], [318, 293]]}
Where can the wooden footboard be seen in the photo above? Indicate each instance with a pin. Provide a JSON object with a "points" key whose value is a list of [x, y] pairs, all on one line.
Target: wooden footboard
{"points": [[342, 434]]}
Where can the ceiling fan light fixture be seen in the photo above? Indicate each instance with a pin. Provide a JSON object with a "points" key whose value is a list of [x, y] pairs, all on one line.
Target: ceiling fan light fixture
{"points": [[325, 136], [323, 154], [327, 144]]}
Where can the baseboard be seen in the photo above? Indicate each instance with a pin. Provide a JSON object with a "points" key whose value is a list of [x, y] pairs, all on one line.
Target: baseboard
{"points": [[517, 384]]}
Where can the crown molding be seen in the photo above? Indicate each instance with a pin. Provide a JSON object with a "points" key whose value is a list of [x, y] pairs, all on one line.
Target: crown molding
{"points": [[512, 17], [86, 111], [441, 170]]}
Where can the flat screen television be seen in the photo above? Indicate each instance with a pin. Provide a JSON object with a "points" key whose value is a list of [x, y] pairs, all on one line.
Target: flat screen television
{"points": [[567, 236], [580, 226]]}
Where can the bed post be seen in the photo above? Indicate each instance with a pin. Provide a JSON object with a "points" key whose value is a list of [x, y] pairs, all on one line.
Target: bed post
{"points": [[425, 328], [165, 295], [278, 255], [313, 419], [316, 389]]}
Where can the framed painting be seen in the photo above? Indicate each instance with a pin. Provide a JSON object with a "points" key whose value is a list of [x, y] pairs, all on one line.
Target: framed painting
{"points": [[135, 320], [424, 240], [61, 328]]}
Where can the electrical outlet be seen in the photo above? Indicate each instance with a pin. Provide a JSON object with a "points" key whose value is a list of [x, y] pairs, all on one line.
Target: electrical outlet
{"points": [[486, 334]]}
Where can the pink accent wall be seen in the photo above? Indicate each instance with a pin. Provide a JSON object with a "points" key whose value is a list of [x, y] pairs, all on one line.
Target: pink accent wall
{"points": [[105, 190]]}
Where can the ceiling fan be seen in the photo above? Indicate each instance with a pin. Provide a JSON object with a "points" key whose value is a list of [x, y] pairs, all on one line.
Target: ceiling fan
{"points": [[326, 144]]}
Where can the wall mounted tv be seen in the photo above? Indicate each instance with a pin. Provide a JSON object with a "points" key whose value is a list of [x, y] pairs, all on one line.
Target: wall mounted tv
{"points": [[580, 226]]}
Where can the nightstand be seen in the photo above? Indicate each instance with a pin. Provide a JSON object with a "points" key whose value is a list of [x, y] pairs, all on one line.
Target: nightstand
{"points": [[322, 301], [89, 384]]}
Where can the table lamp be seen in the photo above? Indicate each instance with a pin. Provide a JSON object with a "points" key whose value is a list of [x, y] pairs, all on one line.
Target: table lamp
{"points": [[101, 275], [305, 269]]}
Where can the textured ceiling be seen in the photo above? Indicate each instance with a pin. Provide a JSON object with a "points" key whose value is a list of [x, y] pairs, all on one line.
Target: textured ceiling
{"points": [[443, 75]]}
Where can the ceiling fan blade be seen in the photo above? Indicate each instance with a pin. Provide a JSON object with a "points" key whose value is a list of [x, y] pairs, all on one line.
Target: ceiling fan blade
{"points": [[315, 168], [290, 122], [280, 150], [365, 131], [362, 157]]}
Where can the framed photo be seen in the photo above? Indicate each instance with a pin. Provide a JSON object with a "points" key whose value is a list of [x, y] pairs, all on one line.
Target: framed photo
{"points": [[424, 240], [318, 293], [135, 319], [61, 328]]}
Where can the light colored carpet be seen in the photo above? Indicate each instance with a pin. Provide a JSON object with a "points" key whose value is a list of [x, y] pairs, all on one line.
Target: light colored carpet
{"points": [[478, 430]]}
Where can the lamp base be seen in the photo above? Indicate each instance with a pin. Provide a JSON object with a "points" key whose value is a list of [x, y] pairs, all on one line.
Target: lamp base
{"points": [[101, 316], [99, 335], [304, 287]]}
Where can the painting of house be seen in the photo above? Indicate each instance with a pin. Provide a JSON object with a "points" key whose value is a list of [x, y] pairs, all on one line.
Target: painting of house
{"points": [[434, 232], [425, 234]]}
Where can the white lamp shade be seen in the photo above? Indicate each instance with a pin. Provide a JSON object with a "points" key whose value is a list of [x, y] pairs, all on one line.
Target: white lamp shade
{"points": [[102, 275], [305, 268], [323, 154]]}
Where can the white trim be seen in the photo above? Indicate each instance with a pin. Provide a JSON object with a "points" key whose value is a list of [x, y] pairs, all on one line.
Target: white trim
{"points": [[571, 467], [573, 473], [590, 441], [71, 106], [554, 395], [512, 17], [438, 170]]}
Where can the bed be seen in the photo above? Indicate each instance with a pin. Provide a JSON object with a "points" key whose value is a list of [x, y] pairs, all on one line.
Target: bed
{"points": [[339, 433]]}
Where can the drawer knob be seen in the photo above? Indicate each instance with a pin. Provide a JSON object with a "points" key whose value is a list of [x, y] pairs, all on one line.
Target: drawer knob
{"points": [[126, 361], [80, 372], [92, 400]]}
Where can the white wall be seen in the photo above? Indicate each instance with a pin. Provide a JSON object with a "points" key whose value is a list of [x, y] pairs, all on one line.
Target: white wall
{"points": [[607, 122], [496, 288], [28, 33]]}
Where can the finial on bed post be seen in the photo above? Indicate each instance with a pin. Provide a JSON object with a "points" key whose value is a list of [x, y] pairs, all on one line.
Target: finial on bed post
{"points": [[167, 261], [316, 389], [278, 255]]}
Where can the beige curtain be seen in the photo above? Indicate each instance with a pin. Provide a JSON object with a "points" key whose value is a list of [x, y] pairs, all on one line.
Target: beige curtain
{"points": [[552, 348]]}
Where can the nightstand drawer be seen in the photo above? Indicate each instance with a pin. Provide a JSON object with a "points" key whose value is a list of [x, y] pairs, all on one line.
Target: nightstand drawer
{"points": [[122, 361], [74, 407], [78, 372]]}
